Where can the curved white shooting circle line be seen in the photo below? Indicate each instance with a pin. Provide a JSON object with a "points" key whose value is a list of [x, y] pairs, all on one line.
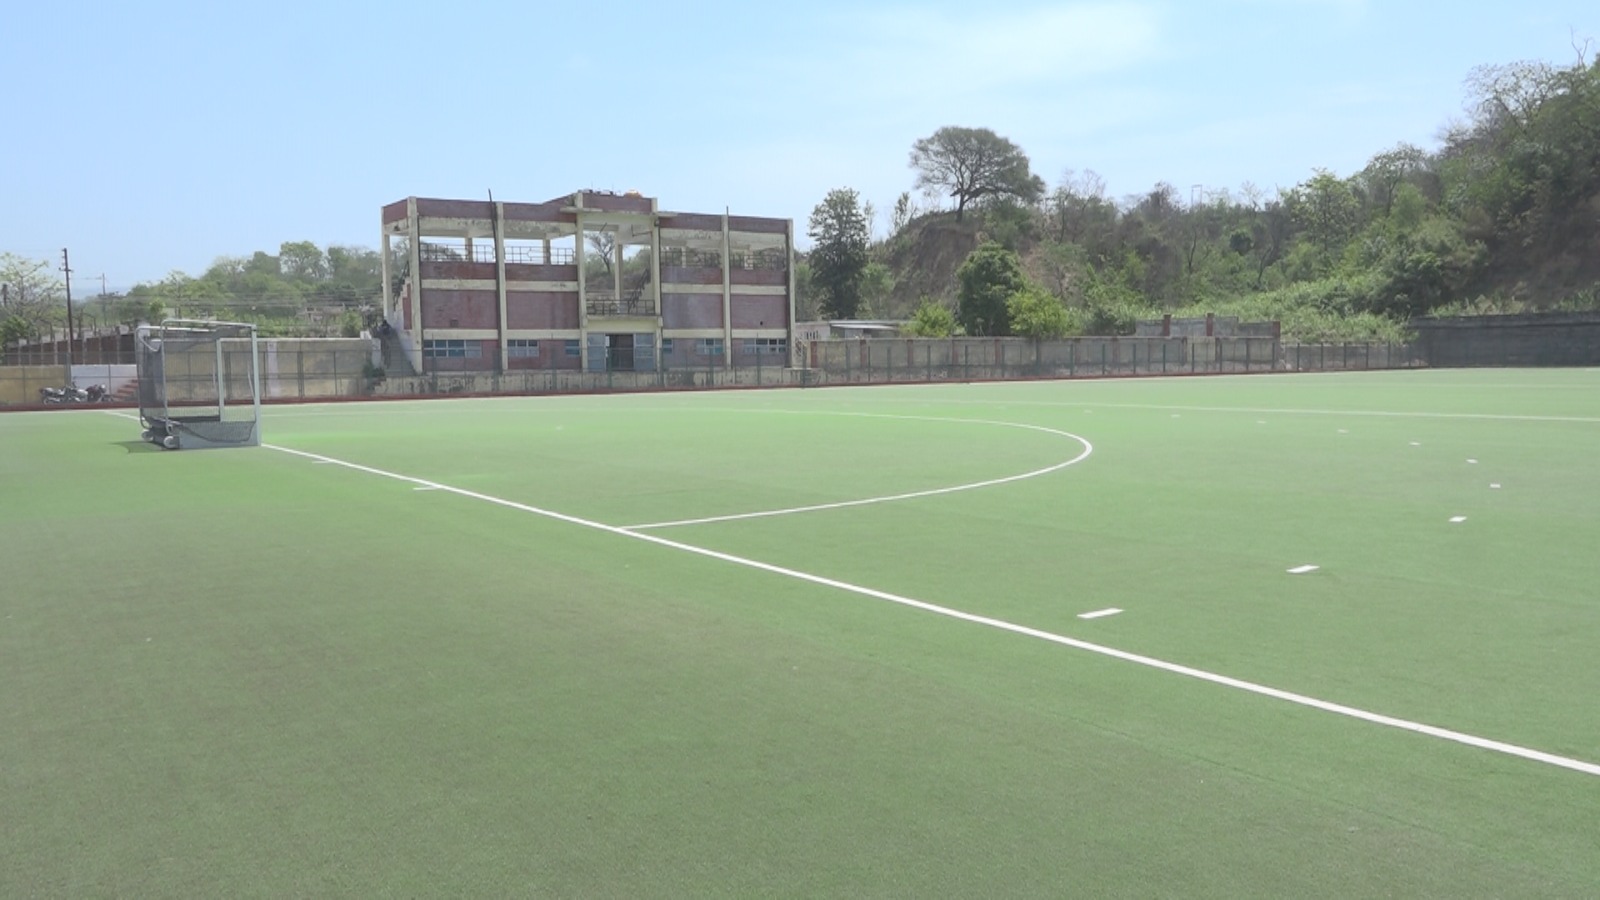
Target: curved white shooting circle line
{"points": [[1088, 448]]}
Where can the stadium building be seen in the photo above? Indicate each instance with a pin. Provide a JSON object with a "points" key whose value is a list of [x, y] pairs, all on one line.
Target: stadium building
{"points": [[593, 281]]}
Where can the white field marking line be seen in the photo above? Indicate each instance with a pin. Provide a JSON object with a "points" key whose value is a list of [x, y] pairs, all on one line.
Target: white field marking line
{"points": [[1575, 765], [1301, 570], [1088, 448], [1457, 520], [1099, 613]]}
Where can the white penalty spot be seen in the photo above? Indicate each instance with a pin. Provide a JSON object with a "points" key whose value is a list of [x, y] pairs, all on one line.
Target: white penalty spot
{"points": [[1099, 613], [1301, 570], [1457, 520], [1344, 431], [1416, 444], [1494, 487], [1472, 462]]}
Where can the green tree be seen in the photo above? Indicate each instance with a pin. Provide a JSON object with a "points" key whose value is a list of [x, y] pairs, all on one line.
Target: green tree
{"points": [[984, 283], [931, 319], [838, 259], [13, 329], [971, 164], [1327, 211], [1038, 314], [302, 260], [877, 284], [30, 290]]}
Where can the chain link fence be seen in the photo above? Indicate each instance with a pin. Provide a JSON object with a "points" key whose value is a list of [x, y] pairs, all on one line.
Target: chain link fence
{"points": [[349, 368], [993, 359]]}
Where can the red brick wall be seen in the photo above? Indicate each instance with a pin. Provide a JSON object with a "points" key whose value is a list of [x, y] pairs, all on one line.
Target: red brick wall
{"points": [[460, 309], [541, 309], [691, 310], [539, 212], [455, 209], [758, 225], [535, 272], [692, 221], [759, 311], [683, 275], [769, 277], [484, 271]]}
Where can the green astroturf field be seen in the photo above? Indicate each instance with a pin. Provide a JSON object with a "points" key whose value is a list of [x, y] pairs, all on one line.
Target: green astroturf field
{"points": [[817, 642]]}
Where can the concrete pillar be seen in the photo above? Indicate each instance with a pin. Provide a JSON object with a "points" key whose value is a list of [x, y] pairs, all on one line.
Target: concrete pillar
{"points": [[388, 293], [500, 276], [727, 296], [414, 220], [655, 285], [616, 266], [1211, 324], [788, 326], [1166, 325], [583, 298]]}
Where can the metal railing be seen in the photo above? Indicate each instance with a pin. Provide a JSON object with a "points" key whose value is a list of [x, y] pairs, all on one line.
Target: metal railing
{"points": [[606, 303]]}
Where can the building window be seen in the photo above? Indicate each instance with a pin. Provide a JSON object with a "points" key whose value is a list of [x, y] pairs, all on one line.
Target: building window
{"points": [[452, 349], [766, 346], [520, 348], [708, 346], [666, 346], [572, 348]]}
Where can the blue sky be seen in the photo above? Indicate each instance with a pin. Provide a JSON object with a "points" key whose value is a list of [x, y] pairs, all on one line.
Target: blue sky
{"points": [[155, 136]]}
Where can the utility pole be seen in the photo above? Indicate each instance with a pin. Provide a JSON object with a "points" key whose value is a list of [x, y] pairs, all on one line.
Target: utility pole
{"points": [[65, 267]]}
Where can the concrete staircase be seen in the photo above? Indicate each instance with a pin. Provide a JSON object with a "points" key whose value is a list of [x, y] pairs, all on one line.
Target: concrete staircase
{"points": [[395, 361]]}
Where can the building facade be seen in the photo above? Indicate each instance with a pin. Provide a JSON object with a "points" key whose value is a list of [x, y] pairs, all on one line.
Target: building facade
{"points": [[592, 281]]}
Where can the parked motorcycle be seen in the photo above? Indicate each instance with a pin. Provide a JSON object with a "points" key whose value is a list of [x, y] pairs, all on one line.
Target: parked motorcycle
{"points": [[95, 393]]}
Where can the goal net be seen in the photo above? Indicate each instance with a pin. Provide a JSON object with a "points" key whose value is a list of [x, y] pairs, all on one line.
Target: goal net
{"points": [[199, 384]]}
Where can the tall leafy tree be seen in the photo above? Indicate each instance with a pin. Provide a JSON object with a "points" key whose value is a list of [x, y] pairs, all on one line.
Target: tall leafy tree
{"points": [[31, 293], [1326, 210], [971, 164], [838, 259], [984, 285]]}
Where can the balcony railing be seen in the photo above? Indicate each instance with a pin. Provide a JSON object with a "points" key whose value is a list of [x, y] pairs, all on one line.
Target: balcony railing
{"points": [[606, 303]]}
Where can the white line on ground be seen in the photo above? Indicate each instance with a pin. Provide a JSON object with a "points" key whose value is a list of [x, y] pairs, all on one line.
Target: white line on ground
{"points": [[1088, 448], [1099, 613], [1446, 734], [1494, 487], [1301, 570], [1457, 520], [1416, 444], [425, 487], [1472, 462]]}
